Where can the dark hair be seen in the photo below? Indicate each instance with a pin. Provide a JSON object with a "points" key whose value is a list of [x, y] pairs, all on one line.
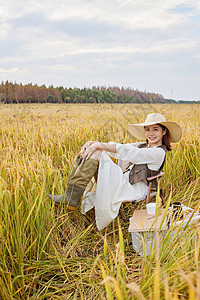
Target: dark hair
{"points": [[166, 138]]}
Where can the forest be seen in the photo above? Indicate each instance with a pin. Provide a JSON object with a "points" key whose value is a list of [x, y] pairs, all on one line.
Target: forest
{"points": [[32, 93]]}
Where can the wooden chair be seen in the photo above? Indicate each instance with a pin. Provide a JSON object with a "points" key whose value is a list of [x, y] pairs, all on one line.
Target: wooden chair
{"points": [[151, 192]]}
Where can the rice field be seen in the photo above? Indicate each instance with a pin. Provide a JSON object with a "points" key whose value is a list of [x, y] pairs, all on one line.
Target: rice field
{"points": [[47, 252]]}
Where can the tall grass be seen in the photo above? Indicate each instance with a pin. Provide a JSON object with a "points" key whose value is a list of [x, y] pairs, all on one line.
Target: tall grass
{"points": [[47, 252]]}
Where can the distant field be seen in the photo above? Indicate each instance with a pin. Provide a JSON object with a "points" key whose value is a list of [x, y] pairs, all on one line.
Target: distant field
{"points": [[49, 253]]}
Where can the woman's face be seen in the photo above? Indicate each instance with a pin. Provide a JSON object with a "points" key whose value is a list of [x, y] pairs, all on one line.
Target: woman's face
{"points": [[154, 134]]}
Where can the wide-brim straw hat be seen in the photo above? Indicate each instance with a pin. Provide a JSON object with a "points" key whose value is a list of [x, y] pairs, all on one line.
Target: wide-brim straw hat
{"points": [[138, 131]]}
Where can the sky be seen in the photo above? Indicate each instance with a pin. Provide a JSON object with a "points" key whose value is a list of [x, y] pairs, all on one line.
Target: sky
{"points": [[149, 45]]}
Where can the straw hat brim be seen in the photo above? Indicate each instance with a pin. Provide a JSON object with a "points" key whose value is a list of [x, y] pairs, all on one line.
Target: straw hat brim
{"points": [[137, 130]]}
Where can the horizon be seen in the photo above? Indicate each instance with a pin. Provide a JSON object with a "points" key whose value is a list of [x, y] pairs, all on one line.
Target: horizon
{"points": [[97, 88], [152, 46]]}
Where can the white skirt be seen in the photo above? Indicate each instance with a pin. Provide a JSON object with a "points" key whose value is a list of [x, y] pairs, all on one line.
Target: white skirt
{"points": [[112, 189]]}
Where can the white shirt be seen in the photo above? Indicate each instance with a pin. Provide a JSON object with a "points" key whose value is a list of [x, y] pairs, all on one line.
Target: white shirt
{"points": [[126, 153], [113, 186]]}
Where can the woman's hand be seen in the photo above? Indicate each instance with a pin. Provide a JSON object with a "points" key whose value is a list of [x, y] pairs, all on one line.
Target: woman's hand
{"points": [[85, 146], [89, 148]]}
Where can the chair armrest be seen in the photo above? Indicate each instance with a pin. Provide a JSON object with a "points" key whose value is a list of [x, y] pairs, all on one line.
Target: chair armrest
{"points": [[156, 176]]}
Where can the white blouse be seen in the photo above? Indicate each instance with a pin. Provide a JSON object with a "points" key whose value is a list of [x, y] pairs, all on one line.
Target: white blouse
{"points": [[113, 186], [153, 157]]}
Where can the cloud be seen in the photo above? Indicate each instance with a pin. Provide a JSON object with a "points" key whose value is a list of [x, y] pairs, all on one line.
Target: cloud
{"points": [[9, 48], [91, 28], [31, 19], [7, 71], [83, 42], [59, 67]]}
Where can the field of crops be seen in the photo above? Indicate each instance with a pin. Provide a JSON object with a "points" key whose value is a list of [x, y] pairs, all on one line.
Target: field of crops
{"points": [[47, 252]]}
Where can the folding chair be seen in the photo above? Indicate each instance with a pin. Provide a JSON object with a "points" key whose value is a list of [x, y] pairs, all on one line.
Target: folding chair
{"points": [[151, 192]]}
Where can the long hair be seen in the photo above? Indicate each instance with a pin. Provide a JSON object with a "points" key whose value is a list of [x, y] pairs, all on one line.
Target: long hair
{"points": [[166, 138]]}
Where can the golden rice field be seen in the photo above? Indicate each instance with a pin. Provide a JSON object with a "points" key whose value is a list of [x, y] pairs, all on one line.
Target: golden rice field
{"points": [[47, 252]]}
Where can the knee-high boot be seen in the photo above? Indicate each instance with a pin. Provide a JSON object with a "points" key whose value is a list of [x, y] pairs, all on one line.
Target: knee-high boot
{"points": [[81, 174]]}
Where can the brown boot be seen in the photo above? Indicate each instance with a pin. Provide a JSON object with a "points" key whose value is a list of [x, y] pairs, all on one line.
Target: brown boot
{"points": [[81, 174]]}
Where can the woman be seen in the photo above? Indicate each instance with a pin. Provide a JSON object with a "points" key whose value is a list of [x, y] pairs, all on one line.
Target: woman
{"points": [[125, 181]]}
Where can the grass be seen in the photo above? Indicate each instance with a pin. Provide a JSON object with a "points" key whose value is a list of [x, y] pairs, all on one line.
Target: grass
{"points": [[50, 253]]}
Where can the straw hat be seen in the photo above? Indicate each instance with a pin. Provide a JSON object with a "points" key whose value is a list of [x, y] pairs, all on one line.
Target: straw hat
{"points": [[137, 130]]}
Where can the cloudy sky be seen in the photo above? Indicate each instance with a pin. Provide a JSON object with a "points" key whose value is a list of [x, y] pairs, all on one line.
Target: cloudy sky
{"points": [[151, 45]]}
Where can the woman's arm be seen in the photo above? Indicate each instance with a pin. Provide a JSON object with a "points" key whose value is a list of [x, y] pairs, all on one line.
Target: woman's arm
{"points": [[140, 155], [89, 148]]}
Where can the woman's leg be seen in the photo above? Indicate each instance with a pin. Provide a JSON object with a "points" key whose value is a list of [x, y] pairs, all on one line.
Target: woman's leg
{"points": [[96, 155], [81, 174]]}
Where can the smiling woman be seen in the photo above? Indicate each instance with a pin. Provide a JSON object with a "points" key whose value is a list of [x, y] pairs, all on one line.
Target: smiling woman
{"points": [[154, 134], [125, 181]]}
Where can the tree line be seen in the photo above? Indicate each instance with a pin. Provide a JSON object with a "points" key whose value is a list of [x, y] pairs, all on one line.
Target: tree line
{"points": [[29, 93]]}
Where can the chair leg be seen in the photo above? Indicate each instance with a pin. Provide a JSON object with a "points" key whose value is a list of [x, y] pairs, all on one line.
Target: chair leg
{"points": [[148, 192], [161, 196]]}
